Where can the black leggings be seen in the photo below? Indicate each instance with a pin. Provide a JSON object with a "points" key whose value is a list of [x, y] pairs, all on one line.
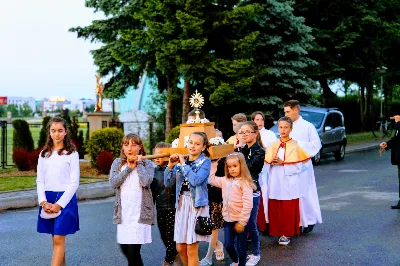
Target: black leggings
{"points": [[132, 253]]}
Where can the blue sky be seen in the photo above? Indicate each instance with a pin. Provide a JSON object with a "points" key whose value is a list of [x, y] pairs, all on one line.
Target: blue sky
{"points": [[38, 56]]}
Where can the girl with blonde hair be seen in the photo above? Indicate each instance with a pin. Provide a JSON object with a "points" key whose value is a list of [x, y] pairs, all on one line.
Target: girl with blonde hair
{"points": [[237, 193]]}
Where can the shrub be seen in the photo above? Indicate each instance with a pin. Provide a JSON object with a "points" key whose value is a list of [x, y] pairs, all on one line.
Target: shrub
{"points": [[43, 131], [173, 134], [21, 159], [22, 137], [34, 158], [104, 161], [105, 139]]}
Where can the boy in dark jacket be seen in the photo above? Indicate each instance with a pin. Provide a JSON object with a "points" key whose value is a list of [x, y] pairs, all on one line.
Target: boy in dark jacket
{"points": [[164, 198], [394, 144]]}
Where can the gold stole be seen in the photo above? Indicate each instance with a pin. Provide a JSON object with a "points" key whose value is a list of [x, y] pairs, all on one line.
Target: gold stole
{"points": [[293, 152]]}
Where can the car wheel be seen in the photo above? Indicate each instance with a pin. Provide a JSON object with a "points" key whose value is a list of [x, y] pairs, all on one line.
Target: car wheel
{"points": [[317, 158], [339, 155]]}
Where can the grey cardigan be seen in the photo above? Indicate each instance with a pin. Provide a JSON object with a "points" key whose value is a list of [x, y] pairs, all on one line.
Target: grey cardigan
{"points": [[145, 171]]}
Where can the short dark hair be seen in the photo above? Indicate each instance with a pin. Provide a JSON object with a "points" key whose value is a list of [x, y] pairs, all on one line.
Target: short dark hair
{"points": [[292, 104], [286, 119], [202, 115]]}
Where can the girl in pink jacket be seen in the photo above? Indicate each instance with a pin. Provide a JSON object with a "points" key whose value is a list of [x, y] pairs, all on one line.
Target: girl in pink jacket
{"points": [[237, 194]]}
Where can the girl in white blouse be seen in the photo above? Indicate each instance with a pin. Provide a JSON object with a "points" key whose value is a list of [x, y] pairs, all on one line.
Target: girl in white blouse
{"points": [[131, 176], [57, 182]]}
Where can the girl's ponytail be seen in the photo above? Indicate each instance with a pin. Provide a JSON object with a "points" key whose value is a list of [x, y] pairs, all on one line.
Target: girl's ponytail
{"points": [[206, 151]]}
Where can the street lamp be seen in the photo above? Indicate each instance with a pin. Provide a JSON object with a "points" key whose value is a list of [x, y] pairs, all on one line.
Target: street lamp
{"points": [[382, 71]]}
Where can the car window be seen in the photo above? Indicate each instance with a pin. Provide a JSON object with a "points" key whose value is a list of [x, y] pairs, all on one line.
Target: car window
{"points": [[312, 117], [336, 120], [329, 121]]}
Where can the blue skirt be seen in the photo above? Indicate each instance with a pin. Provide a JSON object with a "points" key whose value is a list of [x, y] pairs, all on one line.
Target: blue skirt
{"points": [[65, 224]]}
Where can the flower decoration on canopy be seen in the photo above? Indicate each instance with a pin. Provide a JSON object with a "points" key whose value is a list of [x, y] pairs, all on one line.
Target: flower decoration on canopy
{"points": [[217, 141], [193, 121], [175, 143]]}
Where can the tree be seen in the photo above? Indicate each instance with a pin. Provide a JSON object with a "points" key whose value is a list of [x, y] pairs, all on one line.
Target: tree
{"points": [[13, 108], [25, 110], [111, 56], [352, 39], [281, 58], [3, 111]]}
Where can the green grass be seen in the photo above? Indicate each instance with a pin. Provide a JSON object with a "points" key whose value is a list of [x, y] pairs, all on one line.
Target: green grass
{"points": [[29, 182], [362, 137]]}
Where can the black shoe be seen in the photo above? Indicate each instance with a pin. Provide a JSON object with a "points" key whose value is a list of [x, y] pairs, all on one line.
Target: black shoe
{"points": [[307, 230], [396, 206]]}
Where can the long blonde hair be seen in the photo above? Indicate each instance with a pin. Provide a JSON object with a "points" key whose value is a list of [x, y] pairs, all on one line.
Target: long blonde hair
{"points": [[244, 170]]}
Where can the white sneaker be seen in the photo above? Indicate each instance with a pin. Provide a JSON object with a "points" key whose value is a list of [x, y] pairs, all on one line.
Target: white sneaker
{"points": [[205, 262], [253, 260], [283, 241], [234, 264]]}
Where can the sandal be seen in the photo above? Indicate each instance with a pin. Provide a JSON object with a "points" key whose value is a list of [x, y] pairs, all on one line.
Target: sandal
{"points": [[219, 251]]}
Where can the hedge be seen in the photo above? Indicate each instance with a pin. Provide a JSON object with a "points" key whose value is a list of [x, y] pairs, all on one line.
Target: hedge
{"points": [[105, 139]]}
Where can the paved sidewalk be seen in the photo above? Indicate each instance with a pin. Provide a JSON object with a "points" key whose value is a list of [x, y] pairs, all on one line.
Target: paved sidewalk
{"points": [[28, 198], [363, 147]]}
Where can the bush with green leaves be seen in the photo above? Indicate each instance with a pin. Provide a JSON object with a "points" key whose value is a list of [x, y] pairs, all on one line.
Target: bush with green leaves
{"points": [[43, 132], [105, 139], [173, 134], [22, 136]]}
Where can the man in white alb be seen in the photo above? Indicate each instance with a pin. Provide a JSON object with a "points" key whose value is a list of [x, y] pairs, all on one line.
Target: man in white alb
{"points": [[306, 136]]}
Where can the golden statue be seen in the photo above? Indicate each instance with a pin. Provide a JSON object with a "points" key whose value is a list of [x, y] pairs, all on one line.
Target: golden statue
{"points": [[99, 94]]}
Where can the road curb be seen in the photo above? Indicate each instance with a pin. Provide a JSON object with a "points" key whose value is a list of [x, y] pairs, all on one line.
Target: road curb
{"points": [[372, 146], [28, 198]]}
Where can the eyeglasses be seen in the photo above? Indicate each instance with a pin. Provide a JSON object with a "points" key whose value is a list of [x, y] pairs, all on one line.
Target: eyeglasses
{"points": [[246, 133]]}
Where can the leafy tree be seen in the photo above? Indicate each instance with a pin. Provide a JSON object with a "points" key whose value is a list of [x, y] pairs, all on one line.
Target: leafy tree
{"points": [[3, 111], [13, 108], [280, 57], [353, 39], [108, 57], [25, 110]]}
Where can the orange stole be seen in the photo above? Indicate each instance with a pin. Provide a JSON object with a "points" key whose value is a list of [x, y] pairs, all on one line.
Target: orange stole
{"points": [[293, 152]]}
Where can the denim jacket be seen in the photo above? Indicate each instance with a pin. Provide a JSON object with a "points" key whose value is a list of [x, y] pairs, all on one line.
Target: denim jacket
{"points": [[197, 174]]}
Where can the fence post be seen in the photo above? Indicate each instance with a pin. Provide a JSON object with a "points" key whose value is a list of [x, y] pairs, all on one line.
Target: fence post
{"points": [[3, 143]]}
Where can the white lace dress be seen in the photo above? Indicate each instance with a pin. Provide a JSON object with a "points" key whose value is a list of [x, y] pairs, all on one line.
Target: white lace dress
{"points": [[130, 231]]}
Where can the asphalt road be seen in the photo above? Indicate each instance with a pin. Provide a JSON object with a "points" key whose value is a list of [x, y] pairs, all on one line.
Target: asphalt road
{"points": [[359, 227]]}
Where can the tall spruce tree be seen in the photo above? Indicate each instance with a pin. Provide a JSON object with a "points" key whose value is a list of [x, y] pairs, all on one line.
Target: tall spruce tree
{"points": [[281, 56]]}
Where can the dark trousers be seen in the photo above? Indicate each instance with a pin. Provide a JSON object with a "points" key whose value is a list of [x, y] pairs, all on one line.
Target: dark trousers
{"points": [[253, 229], [231, 237], [132, 253], [166, 222], [398, 175]]}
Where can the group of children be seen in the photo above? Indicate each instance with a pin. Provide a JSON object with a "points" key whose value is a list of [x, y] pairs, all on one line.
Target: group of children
{"points": [[184, 189]]}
